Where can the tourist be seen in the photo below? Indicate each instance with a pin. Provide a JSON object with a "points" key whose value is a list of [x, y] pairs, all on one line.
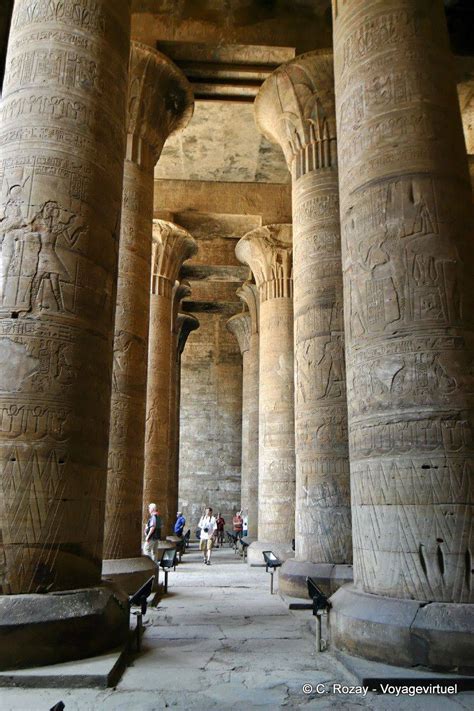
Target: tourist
{"points": [[207, 526], [179, 525], [245, 525], [220, 523], [152, 533], [237, 524]]}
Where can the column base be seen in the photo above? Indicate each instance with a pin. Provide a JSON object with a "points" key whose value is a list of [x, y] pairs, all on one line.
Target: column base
{"points": [[36, 630], [328, 576], [407, 633], [254, 552], [128, 573]]}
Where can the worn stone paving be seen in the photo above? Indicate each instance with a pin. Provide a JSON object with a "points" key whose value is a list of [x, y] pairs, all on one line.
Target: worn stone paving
{"points": [[218, 640]]}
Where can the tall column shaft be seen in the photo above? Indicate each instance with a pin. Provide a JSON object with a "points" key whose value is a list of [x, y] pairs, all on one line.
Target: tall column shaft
{"points": [[185, 324], [59, 220], [151, 118], [406, 214], [123, 520], [57, 284], [250, 395], [407, 277], [295, 107], [323, 517], [158, 396], [276, 472], [241, 326], [248, 294], [172, 246], [267, 251]]}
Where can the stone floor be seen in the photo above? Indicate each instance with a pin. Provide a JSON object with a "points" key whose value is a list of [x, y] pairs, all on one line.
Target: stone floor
{"points": [[218, 640]]}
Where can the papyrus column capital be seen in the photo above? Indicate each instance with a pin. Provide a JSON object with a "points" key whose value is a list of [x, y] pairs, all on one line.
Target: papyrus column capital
{"points": [[248, 294], [295, 108], [160, 102], [185, 325], [171, 246], [240, 326], [181, 289], [268, 252]]}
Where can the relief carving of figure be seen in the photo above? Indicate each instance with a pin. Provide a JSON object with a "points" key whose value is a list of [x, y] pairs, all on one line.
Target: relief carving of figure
{"points": [[48, 226], [10, 233], [331, 370]]}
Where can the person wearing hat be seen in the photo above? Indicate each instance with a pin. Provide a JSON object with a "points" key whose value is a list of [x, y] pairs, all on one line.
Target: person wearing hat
{"points": [[180, 524]]}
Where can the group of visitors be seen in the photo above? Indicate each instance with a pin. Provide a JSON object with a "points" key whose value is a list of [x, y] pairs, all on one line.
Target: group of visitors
{"points": [[211, 531]]}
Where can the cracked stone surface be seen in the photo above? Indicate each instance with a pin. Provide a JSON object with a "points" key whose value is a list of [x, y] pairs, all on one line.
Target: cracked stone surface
{"points": [[220, 639]]}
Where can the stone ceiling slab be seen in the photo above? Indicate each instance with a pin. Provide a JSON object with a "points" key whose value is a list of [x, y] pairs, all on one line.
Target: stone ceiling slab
{"points": [[221, 143]]}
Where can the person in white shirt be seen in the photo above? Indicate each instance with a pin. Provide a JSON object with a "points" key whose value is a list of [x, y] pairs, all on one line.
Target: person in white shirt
{"points": [[245, 525], [207, 525]]}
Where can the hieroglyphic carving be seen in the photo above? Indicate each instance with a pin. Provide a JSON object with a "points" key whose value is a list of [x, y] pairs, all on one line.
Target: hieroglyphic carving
{"points": [[267, 251], [408, 269], [57, 284], [172, 245], [296, 108], [153, 113]]}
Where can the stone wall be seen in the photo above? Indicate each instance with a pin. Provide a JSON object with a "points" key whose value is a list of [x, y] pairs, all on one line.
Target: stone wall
{"points": [[210, 435]]}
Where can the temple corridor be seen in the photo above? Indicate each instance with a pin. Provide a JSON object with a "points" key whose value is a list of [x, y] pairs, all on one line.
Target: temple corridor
{"points": [[236, 268]]}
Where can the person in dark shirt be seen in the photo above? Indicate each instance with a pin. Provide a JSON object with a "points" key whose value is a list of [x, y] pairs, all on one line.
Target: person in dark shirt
{"points": [[220, 523], [180, 524]]}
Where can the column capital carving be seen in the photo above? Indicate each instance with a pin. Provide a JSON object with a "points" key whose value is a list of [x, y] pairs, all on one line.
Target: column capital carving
{"points": [[240, 326], [268, 252], [295, 108], [171, 246], [185, 325], [248, 294], [160, 102], [181, 289]]}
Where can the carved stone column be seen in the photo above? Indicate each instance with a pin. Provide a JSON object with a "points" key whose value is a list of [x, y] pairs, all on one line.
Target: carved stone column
{"points": [[268, 253], [160, 102], [406, 216], [185, 324], [59, 219], [295, 107], [172, 245], [245, 328], [181, 290]]}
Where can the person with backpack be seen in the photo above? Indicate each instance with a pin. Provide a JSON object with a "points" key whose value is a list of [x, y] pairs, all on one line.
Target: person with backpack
{"points": [[152, 533]]}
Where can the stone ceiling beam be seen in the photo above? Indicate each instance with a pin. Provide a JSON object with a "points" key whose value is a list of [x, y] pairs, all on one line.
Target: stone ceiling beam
{"points": [[271, 201], [213, 272]]}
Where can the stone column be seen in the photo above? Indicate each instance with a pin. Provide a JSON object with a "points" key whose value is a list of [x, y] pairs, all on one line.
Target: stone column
{"points": [[62, 141], [185, 324], [181, 290], [295, 107], [406, 217], [267, 251], [172, 245], [245, 328], [160, 101]]}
